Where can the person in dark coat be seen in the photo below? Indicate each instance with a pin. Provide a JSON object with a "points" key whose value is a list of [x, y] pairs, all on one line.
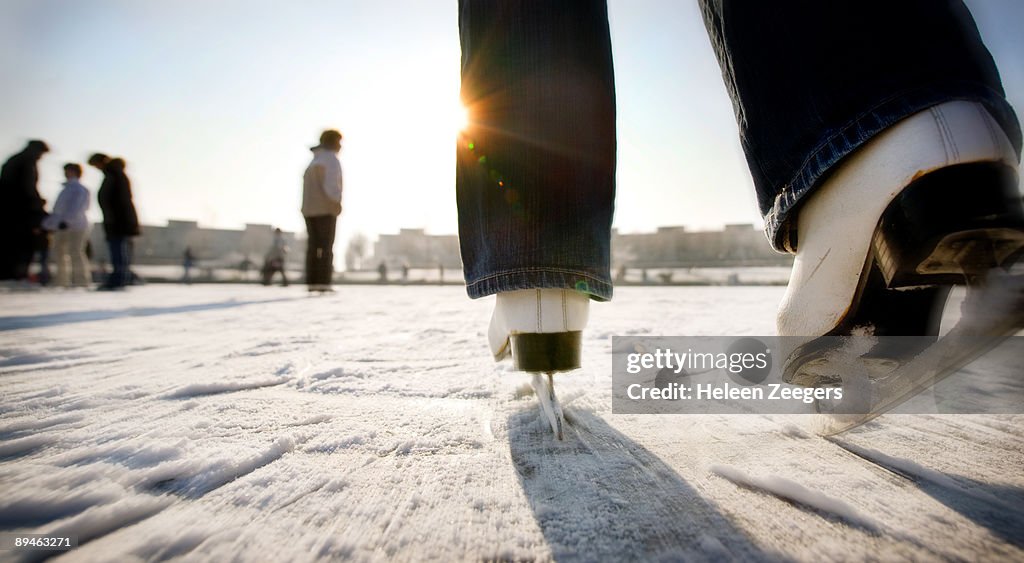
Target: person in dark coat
{"points": [[21, 211], [120, 221]]}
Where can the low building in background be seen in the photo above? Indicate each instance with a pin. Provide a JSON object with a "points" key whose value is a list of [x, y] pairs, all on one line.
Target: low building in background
{"points": [[414, 248], [220, 248], [740, 245]]}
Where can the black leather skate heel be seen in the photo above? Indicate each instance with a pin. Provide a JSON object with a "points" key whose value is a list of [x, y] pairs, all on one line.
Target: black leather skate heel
{"points": [[950, 225], [547, 352]]}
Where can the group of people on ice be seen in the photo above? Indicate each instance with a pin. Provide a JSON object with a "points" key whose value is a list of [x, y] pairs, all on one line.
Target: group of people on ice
{"points": [[28, 229]]}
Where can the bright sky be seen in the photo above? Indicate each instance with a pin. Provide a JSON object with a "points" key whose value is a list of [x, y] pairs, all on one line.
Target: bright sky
{"points": [[214, 104]]}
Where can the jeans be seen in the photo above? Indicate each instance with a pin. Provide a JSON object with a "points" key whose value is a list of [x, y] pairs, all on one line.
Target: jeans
{"points": [[810, 83], [320, 249], [119, 261]]}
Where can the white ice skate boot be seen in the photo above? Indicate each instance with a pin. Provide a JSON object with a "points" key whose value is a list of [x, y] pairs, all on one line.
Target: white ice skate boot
{"points": [[542, 330], [929, 203]]}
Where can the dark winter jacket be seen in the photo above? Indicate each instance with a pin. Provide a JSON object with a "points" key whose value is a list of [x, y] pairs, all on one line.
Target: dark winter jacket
{"points": [[115, 198], [21, 207]]}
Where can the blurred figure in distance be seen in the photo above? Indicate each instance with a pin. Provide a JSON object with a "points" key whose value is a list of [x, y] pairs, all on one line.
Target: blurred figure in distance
{"points": [[120, 220], [70, 229], [321, 205], [21, 210]]}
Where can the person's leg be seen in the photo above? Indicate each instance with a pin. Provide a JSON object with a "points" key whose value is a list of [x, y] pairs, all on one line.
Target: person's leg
{"points": [[24, 245], [62, 255], [329, 225], [312, 244], [131, 278], [536, 166], [812, 82], [7, 250], [116, 248], [79, 262], [45, 244], [535, 176], [841, 107]]}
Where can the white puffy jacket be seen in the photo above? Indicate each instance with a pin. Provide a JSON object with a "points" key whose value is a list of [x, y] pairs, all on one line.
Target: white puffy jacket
{"points": [[69, 208], [321, 184]]}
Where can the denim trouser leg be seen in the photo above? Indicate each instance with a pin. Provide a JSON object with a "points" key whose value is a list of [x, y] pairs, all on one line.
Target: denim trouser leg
{"points": [[118, 261], [812, 81], [536, 168]]}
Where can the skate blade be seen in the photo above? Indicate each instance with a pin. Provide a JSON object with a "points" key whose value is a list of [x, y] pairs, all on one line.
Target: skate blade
{"points": [[544, 387], [991, 313]]}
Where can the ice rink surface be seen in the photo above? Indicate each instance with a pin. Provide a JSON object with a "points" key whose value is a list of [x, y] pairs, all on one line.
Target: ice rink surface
{"points": [[232, 422]]}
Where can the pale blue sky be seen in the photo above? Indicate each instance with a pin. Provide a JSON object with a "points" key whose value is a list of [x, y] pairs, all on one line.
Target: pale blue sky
{"points": [[214, 104]]}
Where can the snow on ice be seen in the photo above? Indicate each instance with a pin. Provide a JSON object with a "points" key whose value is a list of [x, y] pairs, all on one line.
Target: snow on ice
{"points": [[238, 422]]}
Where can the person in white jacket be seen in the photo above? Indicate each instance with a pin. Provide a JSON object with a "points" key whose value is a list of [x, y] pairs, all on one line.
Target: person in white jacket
{"points": [[71, 230], [321, 205]]}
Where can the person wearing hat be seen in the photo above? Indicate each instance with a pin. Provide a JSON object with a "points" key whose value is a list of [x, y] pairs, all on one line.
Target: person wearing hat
{"points": [[321, 205], [21, 210]]}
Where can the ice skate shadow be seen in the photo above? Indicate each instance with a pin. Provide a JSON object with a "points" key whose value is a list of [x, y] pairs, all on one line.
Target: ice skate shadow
{"points": [[1000, 508], [599, 496]]}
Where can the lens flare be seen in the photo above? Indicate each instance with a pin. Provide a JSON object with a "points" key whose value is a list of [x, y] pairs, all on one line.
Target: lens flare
{"points": [[461, 118]]}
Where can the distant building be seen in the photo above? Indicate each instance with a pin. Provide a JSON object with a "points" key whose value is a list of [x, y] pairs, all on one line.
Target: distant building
{"points": [[668, 247], [416, 249], [675, 247], [223, 247]]}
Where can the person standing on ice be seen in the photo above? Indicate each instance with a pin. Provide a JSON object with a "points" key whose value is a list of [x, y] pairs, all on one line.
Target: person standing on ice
{"points": [[848, 112], [21, 210], [275, 260], [71, 229], [120, 220], [188, 260], [321, 205]]}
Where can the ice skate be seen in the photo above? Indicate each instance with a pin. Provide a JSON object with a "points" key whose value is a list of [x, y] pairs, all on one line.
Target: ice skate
{"points": [[542, 330], [930, 203]]}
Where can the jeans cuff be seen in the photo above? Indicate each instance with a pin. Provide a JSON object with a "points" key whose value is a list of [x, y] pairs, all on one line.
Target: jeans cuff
{"points": [[598, 287], [780, 223]]}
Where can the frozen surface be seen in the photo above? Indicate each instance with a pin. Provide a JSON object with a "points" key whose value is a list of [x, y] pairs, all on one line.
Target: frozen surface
{"points": [[222, 422]]}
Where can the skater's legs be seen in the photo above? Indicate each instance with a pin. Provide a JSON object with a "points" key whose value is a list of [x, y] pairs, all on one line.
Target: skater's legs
{"points": [[320, 249], [813, 81], [536, 167]]}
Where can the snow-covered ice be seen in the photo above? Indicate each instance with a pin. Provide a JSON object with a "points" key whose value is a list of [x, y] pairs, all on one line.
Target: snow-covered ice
{"points": [[235, 422]]}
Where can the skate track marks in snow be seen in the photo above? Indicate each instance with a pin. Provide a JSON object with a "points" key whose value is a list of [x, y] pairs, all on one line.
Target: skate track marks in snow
{"points": [[252, 423]]}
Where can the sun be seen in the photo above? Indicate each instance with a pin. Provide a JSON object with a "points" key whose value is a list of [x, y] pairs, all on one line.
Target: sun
{"points": [[460, 118]]}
